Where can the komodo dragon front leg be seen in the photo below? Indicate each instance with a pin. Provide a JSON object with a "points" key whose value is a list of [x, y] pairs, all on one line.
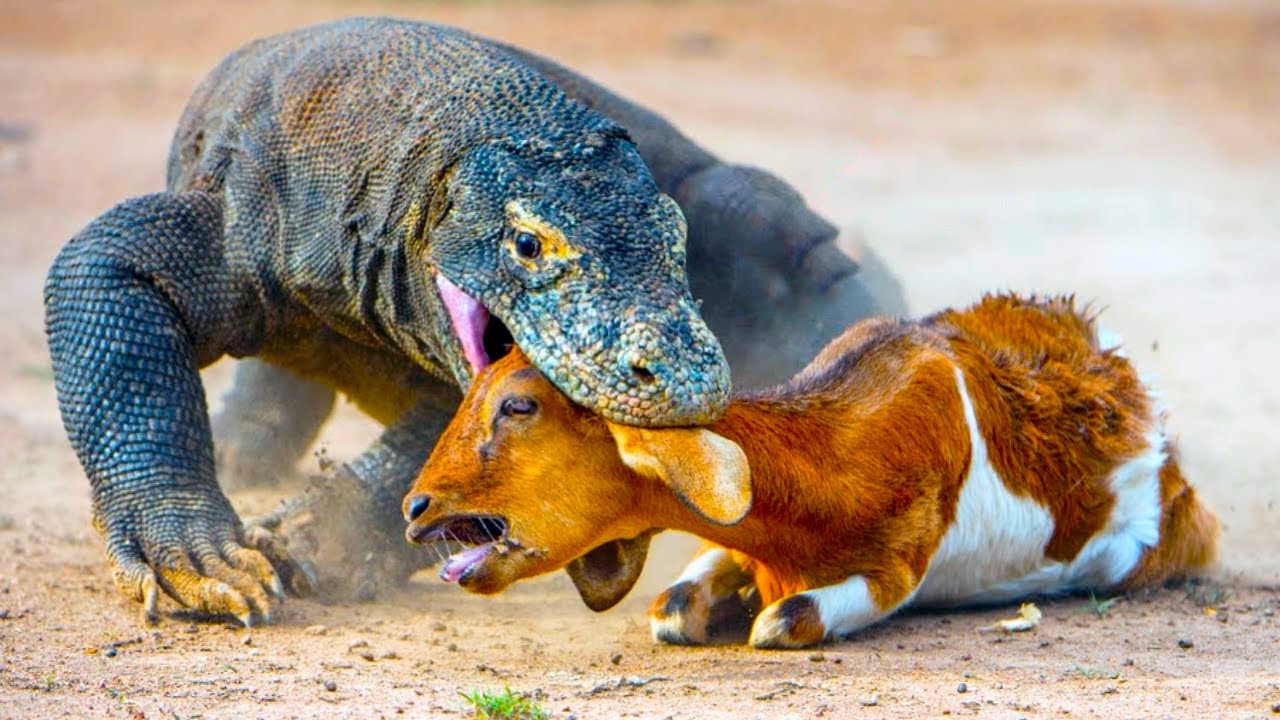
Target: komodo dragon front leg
{"points": [[369, 187], [137, 303]]}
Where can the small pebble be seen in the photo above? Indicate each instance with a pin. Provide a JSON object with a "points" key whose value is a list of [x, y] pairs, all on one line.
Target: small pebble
{"points": [[191, 629], [439, 626], [358, 644], [617, 658], [390, 655], [817, 657], [112, 652], [962, 688], [1109, 690], [1128, 662], [330, 685], [453, 647], [872, 701], [1186, 644], [317, 629], [246, 640], [1276, 708]]}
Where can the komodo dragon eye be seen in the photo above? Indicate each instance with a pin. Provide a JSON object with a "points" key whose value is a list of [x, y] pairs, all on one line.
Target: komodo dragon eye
{"points": [[528, 246]]}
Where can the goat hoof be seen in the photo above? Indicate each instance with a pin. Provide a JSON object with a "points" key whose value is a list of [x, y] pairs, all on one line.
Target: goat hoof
{"points": [[792, 622], [680, 615]]}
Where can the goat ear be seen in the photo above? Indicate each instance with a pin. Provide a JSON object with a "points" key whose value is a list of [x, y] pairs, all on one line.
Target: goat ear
{"points": [[708, 472], [607, 573]]}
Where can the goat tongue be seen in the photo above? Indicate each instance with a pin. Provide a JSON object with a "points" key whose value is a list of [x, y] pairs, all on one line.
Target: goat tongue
{"points": [[469, 320], [458, 565]]}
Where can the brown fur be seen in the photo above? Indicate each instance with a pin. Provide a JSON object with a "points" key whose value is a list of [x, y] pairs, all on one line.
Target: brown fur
{"points": [[794, 622], [856, 465], [1187, 530], [1052, 407]]}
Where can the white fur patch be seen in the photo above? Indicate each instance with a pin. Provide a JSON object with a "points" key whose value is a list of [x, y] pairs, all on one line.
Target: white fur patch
{"points": [[704, 566], [994, 550], [1134, 525], [847, 607]]}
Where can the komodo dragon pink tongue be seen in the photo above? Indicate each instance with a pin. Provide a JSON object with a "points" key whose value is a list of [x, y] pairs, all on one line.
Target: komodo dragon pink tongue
{"points": [[469, 319]]}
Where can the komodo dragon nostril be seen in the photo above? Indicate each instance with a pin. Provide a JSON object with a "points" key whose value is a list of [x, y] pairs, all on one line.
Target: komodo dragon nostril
{"points": [[642, 373]]}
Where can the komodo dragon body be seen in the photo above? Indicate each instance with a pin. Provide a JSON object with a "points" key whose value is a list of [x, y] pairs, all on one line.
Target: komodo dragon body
{"points": [[376, 207], [773, 284]]}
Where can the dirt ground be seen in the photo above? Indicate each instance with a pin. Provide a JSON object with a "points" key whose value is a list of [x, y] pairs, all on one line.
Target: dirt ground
{"points": [[1127, 151]]}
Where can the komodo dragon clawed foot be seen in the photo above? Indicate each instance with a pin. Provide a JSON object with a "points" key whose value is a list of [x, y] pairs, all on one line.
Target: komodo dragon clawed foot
{"points": [[219, 568]]}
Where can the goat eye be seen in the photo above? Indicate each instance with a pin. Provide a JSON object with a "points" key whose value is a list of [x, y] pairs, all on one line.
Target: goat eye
{"points": [[519, 405], [527, 245]]}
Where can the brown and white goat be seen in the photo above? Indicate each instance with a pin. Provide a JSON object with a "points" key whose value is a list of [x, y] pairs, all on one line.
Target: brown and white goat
{"points": [[974, 456]]}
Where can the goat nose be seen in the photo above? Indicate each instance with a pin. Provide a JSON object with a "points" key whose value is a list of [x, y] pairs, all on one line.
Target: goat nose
{"points": [[418, 504]]}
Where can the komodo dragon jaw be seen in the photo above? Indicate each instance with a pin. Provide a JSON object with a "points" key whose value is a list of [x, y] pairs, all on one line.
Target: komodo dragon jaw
{"points": [[591, 282]]}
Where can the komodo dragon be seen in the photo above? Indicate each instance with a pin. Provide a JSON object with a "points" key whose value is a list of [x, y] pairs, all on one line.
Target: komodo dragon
{"points": [[774, 287], [491, 208]]}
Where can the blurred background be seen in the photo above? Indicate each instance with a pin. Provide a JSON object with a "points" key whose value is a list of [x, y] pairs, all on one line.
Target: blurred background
{"points": [[1126, 151]]}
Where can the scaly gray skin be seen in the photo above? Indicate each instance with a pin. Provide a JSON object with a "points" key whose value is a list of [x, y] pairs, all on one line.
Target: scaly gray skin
{"points": [[774, 287], [336, 196]]}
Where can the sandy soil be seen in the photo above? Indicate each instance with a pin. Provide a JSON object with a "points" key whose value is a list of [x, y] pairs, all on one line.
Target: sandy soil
{"points": [[1126, 151]]}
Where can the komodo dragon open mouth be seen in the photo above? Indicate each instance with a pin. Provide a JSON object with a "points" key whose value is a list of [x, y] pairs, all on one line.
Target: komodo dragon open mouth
{"points": [[484, 338]]}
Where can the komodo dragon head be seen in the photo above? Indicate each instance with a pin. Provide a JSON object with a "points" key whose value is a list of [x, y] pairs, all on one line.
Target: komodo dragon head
{"points": [[570, 248]]}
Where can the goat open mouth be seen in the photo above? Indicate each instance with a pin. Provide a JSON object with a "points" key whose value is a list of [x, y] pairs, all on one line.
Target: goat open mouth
{"points": [[478, 536], [483, 337]]}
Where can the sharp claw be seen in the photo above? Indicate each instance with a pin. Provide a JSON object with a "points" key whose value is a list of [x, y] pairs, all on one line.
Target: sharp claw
{"points": [[246, 619], [277, 587], [150, 598]]}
